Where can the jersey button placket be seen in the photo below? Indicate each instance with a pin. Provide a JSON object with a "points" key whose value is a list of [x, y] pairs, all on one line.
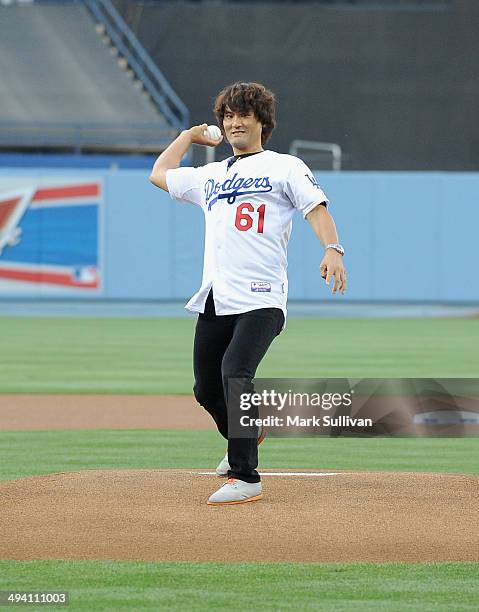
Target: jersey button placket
{"points": [[219, 228]]}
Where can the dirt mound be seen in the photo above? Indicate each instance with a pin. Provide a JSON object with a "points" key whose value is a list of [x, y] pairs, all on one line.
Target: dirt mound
{"points": [[159, 515]]}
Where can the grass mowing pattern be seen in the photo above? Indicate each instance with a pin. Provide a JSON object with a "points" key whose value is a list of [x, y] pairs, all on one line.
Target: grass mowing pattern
{"points": [[218, 586], [83, 355], [38, 453]]}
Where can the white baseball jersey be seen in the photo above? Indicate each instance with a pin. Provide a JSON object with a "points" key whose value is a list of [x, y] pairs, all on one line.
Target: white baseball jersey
{"points": [[248, 212]]}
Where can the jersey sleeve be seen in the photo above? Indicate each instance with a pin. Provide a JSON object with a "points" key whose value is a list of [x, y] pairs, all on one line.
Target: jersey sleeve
{"points": [[185, 184], [302, 188]]}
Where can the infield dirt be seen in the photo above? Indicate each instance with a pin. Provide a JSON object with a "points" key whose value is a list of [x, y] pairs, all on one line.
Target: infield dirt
{"points": [[33, 412]]}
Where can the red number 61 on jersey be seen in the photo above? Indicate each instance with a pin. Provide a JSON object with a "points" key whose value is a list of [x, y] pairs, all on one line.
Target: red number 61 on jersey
{"points": [[244, 221]]}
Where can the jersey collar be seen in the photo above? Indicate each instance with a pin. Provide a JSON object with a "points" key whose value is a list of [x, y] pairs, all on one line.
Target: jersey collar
{"points": [[235, 158]]}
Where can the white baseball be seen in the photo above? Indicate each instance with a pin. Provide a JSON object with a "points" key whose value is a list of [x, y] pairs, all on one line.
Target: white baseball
{"points": [[213, 132]]}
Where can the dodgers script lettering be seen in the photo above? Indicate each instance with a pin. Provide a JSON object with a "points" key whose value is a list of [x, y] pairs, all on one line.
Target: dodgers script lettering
{"points": [[234, 187]]}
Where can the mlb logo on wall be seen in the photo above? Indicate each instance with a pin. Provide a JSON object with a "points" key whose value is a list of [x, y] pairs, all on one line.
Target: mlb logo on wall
{"points": [[50, 236]]}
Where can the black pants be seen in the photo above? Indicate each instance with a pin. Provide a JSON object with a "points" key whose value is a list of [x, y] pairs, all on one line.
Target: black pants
{"points": [[231, 346]]}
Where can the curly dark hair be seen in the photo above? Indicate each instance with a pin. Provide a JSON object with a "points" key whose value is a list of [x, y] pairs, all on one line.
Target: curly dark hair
{"points": [[245, 97]]}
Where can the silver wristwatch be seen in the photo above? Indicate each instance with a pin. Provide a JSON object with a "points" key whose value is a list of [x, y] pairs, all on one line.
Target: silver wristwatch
{"points": [[336, 246]]}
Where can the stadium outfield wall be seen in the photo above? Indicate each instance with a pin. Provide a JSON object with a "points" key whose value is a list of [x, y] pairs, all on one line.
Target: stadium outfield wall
{"points": [[92, 234]]}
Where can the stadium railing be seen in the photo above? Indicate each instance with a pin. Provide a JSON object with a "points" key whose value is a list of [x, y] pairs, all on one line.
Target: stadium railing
{"points": [[339, 4], [80, 137], [331, 148], [138, 60]]}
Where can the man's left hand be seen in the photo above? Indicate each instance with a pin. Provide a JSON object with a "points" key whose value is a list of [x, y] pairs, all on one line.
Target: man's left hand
{"points": [[332, 267]]}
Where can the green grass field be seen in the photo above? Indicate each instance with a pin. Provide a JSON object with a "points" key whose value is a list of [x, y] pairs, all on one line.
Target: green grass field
{"points": [[43, 452], [72, 355], [154, 356], [388, 587]]}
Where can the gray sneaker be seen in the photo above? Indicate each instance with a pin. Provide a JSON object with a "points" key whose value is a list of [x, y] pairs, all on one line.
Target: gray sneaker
{"points": [[223, 467], [236, 491]]}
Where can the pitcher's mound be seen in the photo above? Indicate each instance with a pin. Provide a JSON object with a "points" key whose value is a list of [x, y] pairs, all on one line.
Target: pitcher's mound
{"points": [[158, 515]]}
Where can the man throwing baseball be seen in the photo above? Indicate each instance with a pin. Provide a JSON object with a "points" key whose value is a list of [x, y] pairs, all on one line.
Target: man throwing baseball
{"points": [[248, 201]]}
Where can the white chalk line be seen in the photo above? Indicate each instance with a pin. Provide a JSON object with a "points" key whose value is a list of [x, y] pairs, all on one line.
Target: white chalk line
{"points": [[281, 473]]}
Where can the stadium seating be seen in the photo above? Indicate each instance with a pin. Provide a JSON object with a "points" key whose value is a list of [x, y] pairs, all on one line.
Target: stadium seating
{"points": [[63, 88]]}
